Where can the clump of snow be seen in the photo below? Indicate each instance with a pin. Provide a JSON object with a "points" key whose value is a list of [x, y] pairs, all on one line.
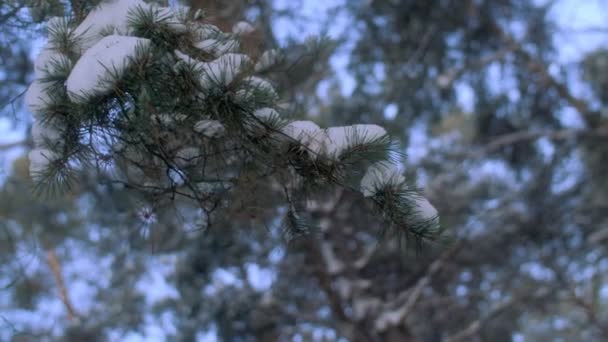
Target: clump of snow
{"points": [[110, 14], [301, 130], [266, 114], [424, 209], [174, 17], [185, 58], [259, 84], [210, 128], [268, 59], [379, 175], [369, 132], [48, 60], [334, 265], [252, 86], [207, 31], [306, 133], [224, 69], [390, 318], [40, 158], [340, 138], [242, 27], [110, 57], [263, 117], [336, 140], [37, 97], [43, 132], [218, 47]]}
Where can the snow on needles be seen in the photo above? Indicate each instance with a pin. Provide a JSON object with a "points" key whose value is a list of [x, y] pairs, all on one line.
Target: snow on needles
{"points": [[104, 52], [210, 128], [340, 138], [224, 69], [37, 97], [42, 132], [109, 15], [424, 209], [306, 133], [95, 70], [242, 27], [379, 175], [39, 161], [48, 60]]}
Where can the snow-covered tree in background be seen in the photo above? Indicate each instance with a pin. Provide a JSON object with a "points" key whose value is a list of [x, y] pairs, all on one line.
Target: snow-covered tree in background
{"points": [[156, 100]]}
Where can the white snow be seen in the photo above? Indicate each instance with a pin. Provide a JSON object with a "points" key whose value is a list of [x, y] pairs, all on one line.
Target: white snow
{"points": [[334, 265], [266, 114], [210, 128], [268, 59], [378, 175], [41, 133], [336, 140], [110, 14], [174, 17], [242, 27], [261, 85], [340, 138], [93, 72], [224, 69], [37, 97], [57, 23], [206, 31], [218, 47], [425, 209], [187, 59], [47, 61], [39, 161], [307, 133], [369, 132], [390, 318]]}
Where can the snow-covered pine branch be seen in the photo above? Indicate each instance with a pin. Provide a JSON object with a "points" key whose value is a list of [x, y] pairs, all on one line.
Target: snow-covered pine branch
{"points": [[168, 105]]}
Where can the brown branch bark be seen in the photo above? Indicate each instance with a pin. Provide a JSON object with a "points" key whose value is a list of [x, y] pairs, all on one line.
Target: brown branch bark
{"points": [[587, 308], [77, 10], [527, 136], [55, 265]]}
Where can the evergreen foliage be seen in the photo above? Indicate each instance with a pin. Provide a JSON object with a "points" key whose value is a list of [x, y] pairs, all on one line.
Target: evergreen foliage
{"points": [[167, 104]]}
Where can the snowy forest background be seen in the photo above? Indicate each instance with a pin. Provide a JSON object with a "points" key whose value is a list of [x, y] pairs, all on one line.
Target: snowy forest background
{"points": [[500, 109]]}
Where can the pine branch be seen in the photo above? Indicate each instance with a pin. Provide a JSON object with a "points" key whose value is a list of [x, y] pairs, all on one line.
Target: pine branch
{"points": [[78, 10], [392, 317], [527, 136], [468, 333]]}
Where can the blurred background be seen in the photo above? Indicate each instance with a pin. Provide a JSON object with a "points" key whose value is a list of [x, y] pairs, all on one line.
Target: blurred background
{"points": [[501, 108]]}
